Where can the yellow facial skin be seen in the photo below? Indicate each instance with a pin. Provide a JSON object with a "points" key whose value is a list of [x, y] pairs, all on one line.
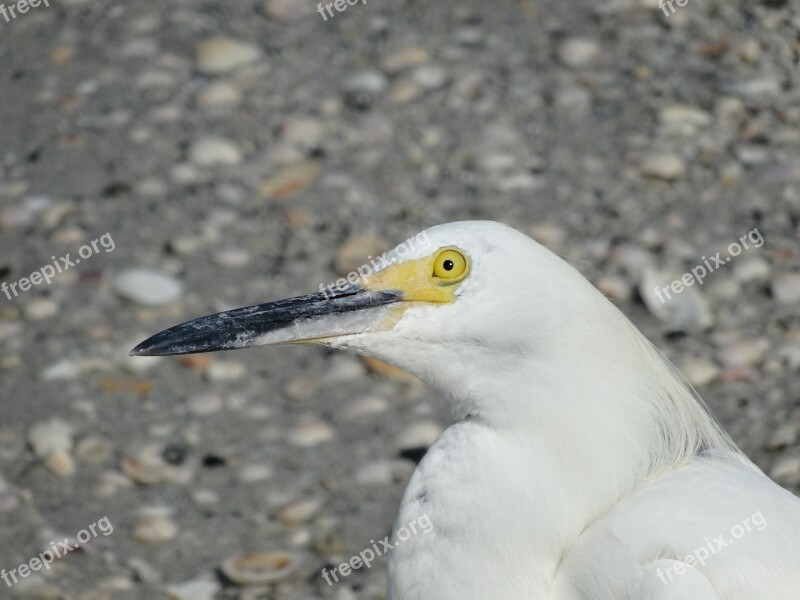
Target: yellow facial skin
{"points": [[434, 278]]}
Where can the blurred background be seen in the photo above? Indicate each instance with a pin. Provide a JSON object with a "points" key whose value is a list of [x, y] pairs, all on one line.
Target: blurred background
{"points": [[221, 154]]}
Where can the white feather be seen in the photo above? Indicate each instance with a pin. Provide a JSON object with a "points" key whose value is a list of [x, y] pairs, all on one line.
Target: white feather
{"points": [[579, 462]]}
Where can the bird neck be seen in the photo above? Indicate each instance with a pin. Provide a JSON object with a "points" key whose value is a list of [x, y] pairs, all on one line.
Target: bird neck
{"points": [[544, 442], [594, 417]]}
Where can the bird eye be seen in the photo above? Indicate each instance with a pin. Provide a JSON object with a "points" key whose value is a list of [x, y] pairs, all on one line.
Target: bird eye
{"points": [[449, 265]]}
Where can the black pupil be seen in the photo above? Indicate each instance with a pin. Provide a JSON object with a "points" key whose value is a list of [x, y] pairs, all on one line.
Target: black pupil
{"points": [[448, 265]]}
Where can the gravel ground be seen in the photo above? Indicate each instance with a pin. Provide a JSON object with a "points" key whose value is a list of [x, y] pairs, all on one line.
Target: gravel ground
{"points": [[224, 154]]}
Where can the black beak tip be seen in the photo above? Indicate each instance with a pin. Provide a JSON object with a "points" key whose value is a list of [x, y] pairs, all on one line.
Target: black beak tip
{"points": [[146, 348], [165, 343], [139, 351]]}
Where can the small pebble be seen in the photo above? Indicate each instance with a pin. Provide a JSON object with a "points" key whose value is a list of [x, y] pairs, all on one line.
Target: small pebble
{"points": [[363, 88], [223, 55], [746, 353], [291, 180], [301, 389], [219, 94], [196, 589], [50, 437], [405, 58], [138, 365], [205, 497], [366, 407], [634, 260], [205, 405], [60, 463], [751, 269], [260, 568], [731, 174], [343, 369], [148, 467], [404, 90], [786, 470], [578, 52], [198, 363], [688, 309], [680, 114], [287, 11], [304, 132], [782, 437], [40, 309], [615, 287], [147, 287], [94, 450], [723, 289], [786, 288], [62, 370], [699, 371], [419, 435], [430, 77], [255, 473], [667, 167], [225, 370], [143, 570], [574, 100], [760, 88], [549, 234], [310, 433], [378, 473], [328, 543], [214, 151], [109, 483], [299, 511], [154, 529], [790, 354], [115, 583], [749, 50]]}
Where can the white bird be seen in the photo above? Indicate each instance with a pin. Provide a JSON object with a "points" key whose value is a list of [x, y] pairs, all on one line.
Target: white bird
{"points": [[580, 465]]}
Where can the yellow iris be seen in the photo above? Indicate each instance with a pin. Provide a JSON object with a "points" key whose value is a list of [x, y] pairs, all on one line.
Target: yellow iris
{"points": [[449, 265]]}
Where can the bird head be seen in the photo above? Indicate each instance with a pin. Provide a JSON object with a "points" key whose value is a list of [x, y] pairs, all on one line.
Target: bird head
{"points": [[467, 292]]}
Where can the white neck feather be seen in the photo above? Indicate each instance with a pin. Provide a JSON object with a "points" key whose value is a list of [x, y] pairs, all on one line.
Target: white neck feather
{"points": [[578, 427]]}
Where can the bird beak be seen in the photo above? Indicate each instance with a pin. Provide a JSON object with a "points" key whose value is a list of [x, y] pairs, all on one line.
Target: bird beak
{"points": [[344, 310], [374, 303]]}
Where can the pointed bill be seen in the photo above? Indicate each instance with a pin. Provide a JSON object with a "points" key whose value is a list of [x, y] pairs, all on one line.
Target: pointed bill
{"points": [[346, 310]]}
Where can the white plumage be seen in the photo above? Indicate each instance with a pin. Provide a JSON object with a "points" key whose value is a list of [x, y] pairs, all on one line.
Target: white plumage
{"points": [[578, 458], [580, 465]]}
